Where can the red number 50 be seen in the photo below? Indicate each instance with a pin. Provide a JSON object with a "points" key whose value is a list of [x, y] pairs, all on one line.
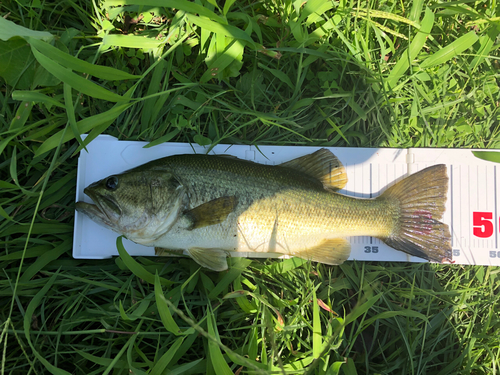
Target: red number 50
{"points": [[483, 226]]}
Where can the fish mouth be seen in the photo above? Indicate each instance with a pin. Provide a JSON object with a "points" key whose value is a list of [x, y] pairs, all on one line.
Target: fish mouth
{"points": [[104, 211]]}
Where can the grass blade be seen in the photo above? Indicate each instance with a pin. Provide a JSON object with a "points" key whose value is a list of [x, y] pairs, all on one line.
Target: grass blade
{"points": [[184, 5], [493, 156], [160, 367], [30, 311], [219, 364], [84, 126], [222, 29], [165, 315], [45, 259], [317, 336], [73, 63], [130, 41], [70, 111], [135, 267], [451, 50], [9, 29], [79, 83], [415, 47], [37, 97], [237, 266]]}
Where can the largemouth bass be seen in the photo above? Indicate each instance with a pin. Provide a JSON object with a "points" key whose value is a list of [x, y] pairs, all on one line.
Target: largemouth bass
{"points": [[210, 205]]}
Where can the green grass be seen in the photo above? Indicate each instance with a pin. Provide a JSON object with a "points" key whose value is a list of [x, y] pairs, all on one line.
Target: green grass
{"points": [[359, 74]]}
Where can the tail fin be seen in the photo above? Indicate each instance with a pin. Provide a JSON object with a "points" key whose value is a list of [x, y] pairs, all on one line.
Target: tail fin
{"points": [[421, 198]]}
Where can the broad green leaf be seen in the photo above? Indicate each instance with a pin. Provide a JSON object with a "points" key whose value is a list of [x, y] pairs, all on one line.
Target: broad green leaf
{"points": [[493, 156], [9, 29], [134, 267], [315, 11], [17, 63], [451, 50], [37, 97], [77, 82], [165, 315], [73, 63], [216, 68], [184, 5], [202, 140]]}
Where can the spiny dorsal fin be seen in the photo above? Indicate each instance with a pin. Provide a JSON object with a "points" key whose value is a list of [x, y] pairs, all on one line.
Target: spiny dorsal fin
{"points": [[211, 213], [322, 165], [331, 251], [213, 259]]}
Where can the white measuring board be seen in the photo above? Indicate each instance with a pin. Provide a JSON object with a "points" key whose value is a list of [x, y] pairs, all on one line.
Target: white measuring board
{"points": [[471, 212]]}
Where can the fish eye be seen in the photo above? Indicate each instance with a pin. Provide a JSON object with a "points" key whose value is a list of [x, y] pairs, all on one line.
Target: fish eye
{"points": [[112, 183]]}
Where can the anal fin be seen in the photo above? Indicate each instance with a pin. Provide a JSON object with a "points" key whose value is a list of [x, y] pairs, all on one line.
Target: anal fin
{"points": [[332, 251], [213, 259]]}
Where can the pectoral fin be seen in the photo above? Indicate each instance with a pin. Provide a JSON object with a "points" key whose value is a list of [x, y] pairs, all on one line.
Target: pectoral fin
{"points": [[334, 251], [213, 259], [211, 213], [322, 165]]}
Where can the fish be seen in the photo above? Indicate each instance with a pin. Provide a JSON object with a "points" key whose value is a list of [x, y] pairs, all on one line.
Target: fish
{"points": [[209, 205]]}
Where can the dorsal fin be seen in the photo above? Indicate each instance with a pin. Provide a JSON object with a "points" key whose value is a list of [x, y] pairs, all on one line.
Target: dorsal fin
{"points": [[322, 165]]}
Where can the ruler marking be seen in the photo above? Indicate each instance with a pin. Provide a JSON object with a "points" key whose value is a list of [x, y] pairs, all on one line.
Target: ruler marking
{"points": [[371, 186]]}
